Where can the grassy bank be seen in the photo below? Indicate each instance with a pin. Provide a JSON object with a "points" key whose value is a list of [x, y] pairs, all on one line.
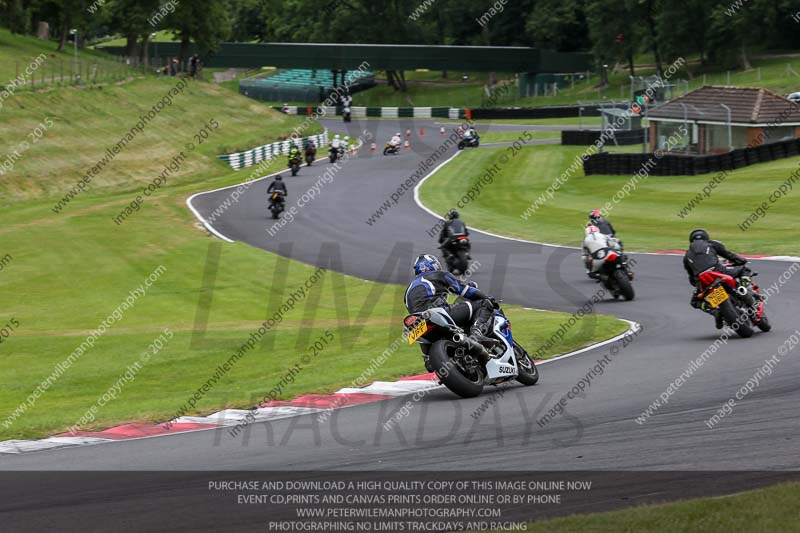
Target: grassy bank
{"points": [[18, 52], [648, 219], [70, 271], [763, 510]]}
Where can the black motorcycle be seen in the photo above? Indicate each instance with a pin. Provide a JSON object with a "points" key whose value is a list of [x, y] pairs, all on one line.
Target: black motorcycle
{"points": [[469, 142], [334, 154], [391, 149], [456, 254], [277, 203]]}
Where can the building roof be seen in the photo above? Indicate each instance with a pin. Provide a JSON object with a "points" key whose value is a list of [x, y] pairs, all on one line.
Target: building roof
{"points": [[748, 105]]}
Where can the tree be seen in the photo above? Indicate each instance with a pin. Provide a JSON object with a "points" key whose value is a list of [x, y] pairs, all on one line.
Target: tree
{"points": [[559, 24], [614, 33], [204, 22], [733, 32], [130, 18], [690, 34]]}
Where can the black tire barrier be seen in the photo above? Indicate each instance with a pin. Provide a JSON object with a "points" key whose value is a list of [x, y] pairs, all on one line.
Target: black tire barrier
{"points": [[688, 165], [566, 111], [589, 137]]}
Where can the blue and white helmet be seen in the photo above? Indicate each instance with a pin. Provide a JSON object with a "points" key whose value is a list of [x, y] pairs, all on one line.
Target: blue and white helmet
{"points": [[426, 263]]}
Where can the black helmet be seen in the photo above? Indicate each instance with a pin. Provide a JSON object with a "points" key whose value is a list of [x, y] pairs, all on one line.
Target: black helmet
{"points": [[452, 214], [278, 178], [698, 235]]}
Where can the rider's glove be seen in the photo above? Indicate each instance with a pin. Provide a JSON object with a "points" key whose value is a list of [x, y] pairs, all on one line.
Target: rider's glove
{"points": [[494, 301]]}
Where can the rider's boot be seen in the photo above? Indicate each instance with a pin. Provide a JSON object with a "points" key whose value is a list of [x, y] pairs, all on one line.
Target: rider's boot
{"points": [[718, 320], [478, 332]]}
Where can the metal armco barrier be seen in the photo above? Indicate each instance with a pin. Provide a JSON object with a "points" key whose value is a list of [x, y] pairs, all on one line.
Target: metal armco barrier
{"points": [[268, 151], [379, 112]]}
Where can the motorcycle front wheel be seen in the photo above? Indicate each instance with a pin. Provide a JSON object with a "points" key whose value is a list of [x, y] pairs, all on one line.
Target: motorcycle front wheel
{"points": [[528, 371], [451, 374]]}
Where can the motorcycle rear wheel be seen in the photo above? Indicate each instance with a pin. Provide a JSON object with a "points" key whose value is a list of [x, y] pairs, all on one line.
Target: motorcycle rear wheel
{"points": [[624, 284], [460, 261], [731, 316], [450, 373]]}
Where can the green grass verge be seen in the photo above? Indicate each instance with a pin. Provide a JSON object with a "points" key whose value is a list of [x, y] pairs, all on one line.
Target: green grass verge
{"points": [[757, 511], [647, 219], [69, 271]]}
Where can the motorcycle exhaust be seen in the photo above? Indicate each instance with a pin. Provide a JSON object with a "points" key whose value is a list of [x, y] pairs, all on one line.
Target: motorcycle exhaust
{"points": [[460, 338], [742, 291]]}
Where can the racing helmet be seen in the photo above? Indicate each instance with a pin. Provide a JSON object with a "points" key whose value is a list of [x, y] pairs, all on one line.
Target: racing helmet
{"points": [[426, 263], [278, 178], [452, 214], [698, 235], [595, 214], [336, 136]]}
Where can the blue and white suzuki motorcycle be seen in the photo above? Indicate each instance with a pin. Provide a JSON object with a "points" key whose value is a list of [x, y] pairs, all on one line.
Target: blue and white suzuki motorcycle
{"points": [[464, 365]]}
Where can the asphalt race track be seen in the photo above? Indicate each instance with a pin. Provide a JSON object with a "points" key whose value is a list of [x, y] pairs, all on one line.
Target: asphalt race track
{"points": [[598, 430]]}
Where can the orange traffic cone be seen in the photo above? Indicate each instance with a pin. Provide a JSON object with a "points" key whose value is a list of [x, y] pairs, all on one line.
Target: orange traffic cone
{"points": [[373, 148], [407, 146], [441, 131], [408, 134], [422, 132]]}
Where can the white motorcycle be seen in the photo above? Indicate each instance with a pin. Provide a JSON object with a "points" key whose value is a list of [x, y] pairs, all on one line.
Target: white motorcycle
{"points": [[461, 363], [608, 264]]}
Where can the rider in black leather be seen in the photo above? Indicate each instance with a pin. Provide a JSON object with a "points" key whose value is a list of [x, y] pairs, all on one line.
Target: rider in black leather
{"points": [[277, 185], [605, 227], [454, 226], [703, 254], [431, 287]]}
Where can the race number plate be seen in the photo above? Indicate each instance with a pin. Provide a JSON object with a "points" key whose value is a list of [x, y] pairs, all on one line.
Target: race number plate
{"points": [[417, 331], [717, 297]]}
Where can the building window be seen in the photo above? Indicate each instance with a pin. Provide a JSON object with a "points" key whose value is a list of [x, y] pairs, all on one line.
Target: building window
{"points": [[672, 136]]}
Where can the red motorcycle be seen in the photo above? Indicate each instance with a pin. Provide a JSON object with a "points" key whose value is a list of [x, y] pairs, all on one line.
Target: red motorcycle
{"points": [[738, 301]]}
